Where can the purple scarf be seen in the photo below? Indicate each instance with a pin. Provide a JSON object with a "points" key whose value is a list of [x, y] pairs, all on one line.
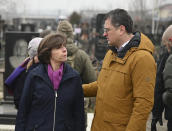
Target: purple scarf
{"points": [[55, 76]]}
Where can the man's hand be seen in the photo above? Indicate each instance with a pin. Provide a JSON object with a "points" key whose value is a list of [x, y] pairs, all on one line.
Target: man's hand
{"points": [[154, 121]]}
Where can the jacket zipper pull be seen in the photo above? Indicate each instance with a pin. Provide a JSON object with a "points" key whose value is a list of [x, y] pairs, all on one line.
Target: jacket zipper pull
{"points": [[56, 94]]}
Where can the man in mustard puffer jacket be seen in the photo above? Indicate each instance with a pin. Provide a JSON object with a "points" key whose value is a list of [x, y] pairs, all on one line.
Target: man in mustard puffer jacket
{"points": [[125, 87]]}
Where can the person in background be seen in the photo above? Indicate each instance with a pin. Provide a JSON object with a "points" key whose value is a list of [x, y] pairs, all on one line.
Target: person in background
{"points": [[45, 33], [15, 82], [124, 89], [163, 95], [77, 58], [52, 98]]}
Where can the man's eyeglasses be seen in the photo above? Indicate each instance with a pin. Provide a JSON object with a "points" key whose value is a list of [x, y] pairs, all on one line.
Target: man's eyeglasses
{"points": [[106, 30]]}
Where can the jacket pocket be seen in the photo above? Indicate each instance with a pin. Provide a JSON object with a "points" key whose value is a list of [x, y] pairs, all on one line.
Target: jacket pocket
{"points": [[115, 118], [118, 84], [69, 126], [34, 126]]}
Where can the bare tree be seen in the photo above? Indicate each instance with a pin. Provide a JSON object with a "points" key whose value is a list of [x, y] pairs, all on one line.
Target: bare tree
{"points": [[7, 8], [75, 18], [3, 2], [144, 9], [155, 16], [140, 7]]}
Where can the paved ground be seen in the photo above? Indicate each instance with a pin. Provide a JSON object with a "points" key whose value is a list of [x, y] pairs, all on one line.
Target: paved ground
{"points": [[159, 128], [90, 116]]}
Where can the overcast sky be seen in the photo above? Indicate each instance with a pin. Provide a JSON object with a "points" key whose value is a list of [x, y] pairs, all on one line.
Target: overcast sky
{"points": [[71, 5]]}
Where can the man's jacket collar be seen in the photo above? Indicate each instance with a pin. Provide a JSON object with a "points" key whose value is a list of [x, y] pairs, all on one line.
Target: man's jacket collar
{"points": [[134, 42]]}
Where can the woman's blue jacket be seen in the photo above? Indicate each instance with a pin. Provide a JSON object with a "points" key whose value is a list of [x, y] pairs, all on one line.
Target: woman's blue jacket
{"points": [[44, 109]]}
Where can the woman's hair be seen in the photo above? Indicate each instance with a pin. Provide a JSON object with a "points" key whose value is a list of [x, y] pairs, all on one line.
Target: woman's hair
{"points": [[48, 43]]}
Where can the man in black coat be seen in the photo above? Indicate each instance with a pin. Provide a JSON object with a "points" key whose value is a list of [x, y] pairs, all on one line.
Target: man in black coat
{"points": [[159, 105]]}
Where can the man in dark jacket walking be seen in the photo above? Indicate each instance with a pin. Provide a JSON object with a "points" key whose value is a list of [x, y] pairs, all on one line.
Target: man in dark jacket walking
{"points": [[163, 86]]}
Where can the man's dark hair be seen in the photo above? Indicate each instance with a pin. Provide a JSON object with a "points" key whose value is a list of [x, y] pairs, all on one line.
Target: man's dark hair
{"points": [[120, 17], [48, 43]]}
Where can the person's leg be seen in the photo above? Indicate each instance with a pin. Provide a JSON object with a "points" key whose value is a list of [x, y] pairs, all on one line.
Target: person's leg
{"points": [[169, 125], [85, 121], [86, 103]]}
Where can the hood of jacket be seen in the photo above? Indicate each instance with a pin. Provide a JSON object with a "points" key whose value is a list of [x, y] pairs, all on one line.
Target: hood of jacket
{"points": [[138, 42], [71, 48], [146, 44]]}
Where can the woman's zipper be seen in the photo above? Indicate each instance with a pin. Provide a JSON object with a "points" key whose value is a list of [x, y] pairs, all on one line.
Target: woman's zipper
{"points": [[55, 109]]}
